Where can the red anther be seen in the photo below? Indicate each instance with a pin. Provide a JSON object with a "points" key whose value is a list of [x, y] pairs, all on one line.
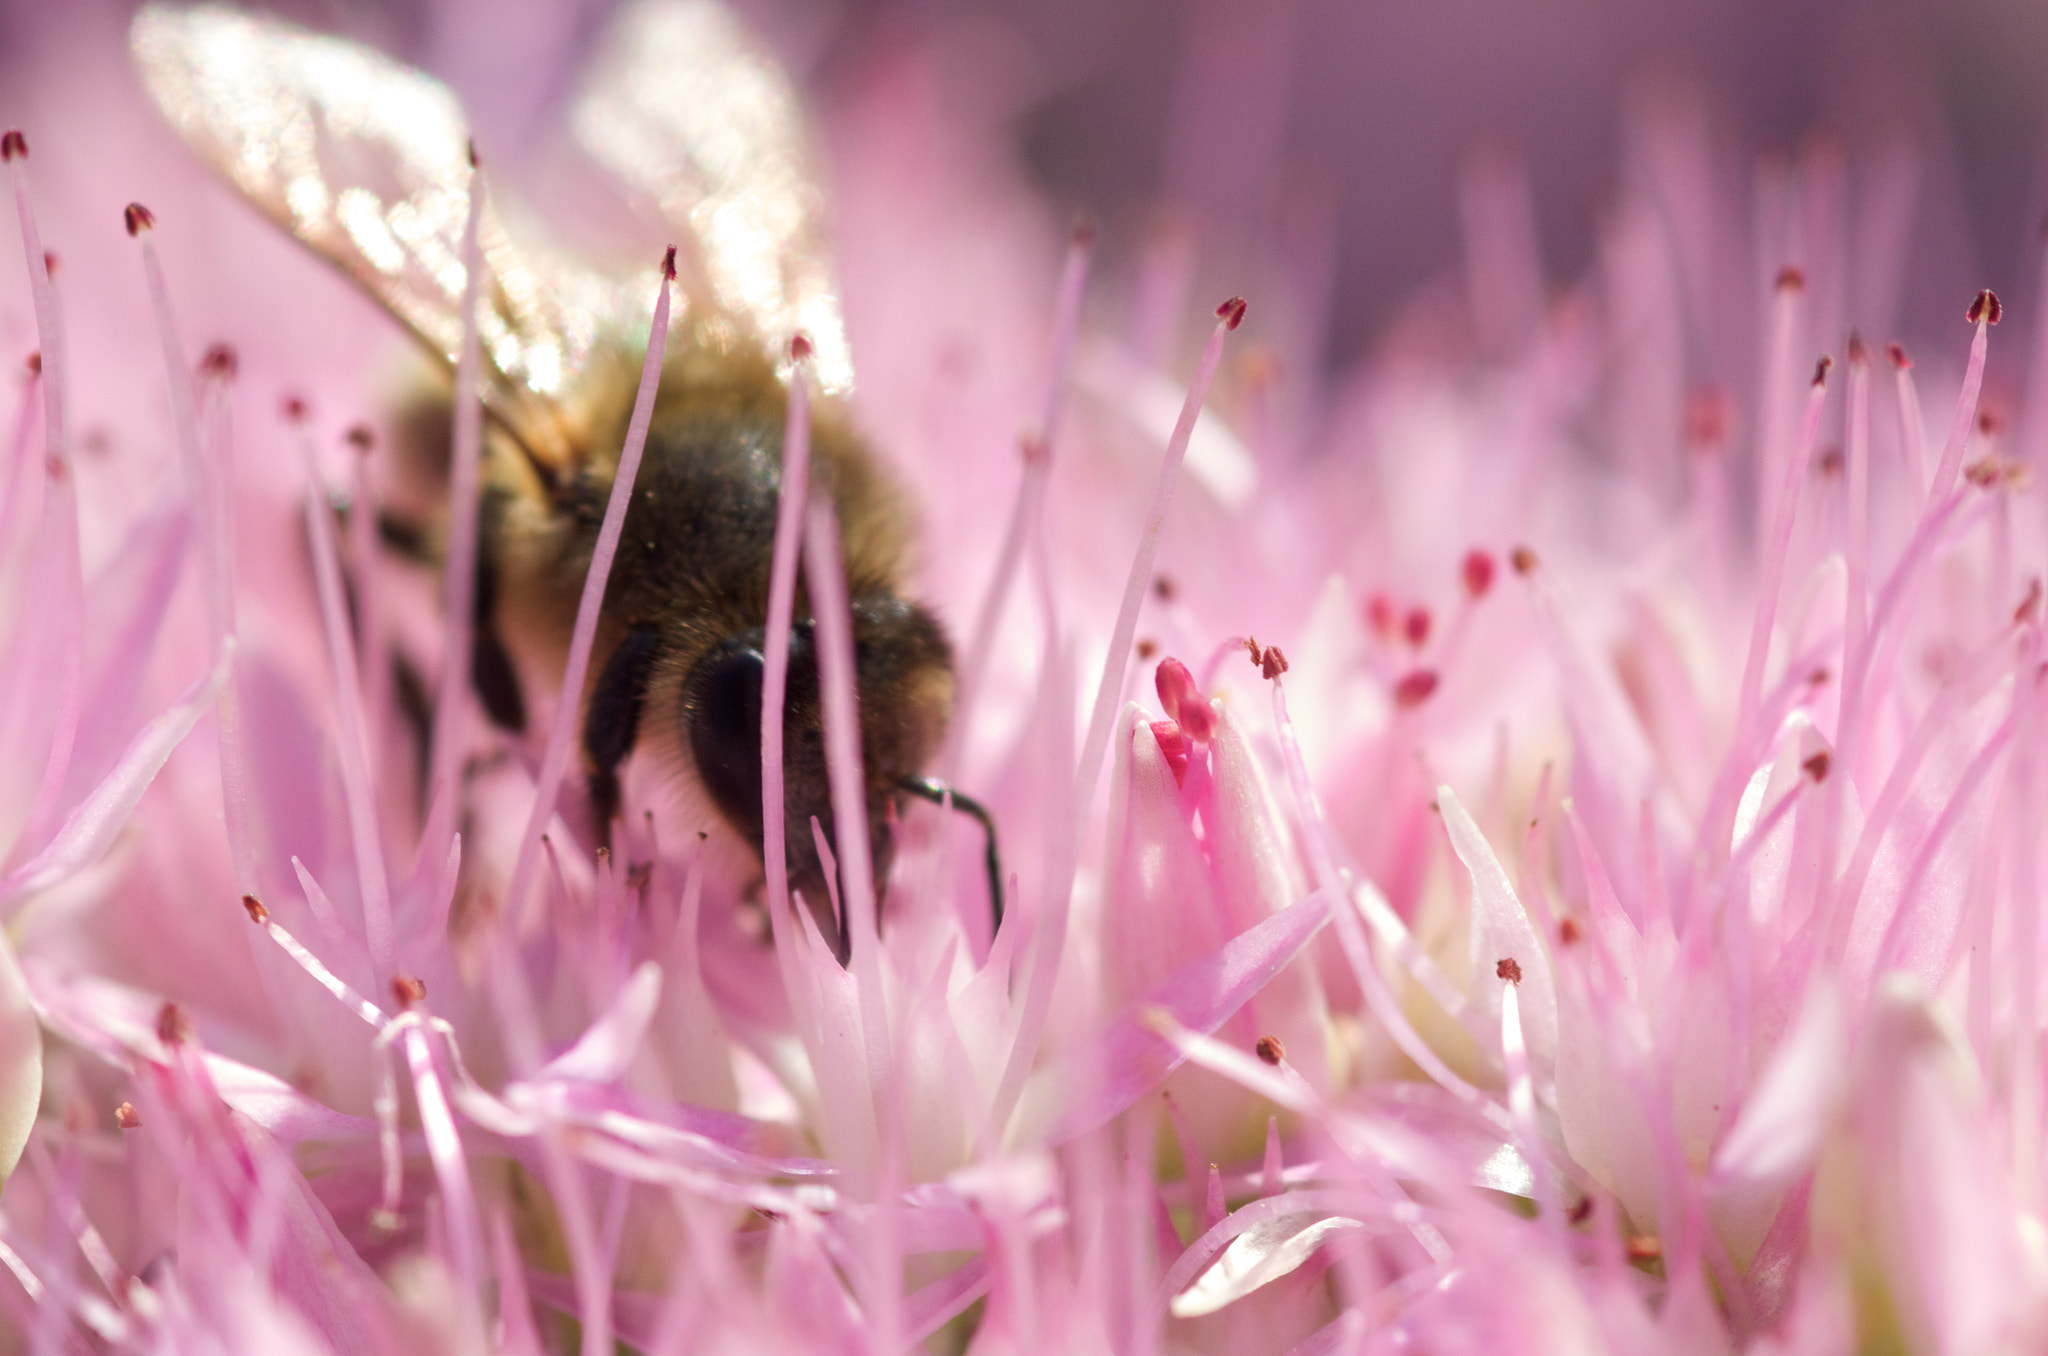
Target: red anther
{"points": [[1164, 588], [1415, 688], [2030, 606], [1830, 462], [1983, 473], [360, 437], [1817, 766], [1084, 231], [1475, 572], [1182, 700], [1509, 969], [138, 218], [1897, 353], [257, 913], [1271, 1050], [1821, 370], [1273, 663], [296, 410], [220, 360], [173, 1027], [1581, 1212], [1706, 418], [1379, 614], [1146, 648], [1523, 559], [13, 146], [407, 991], [668, 264], [1643, 1248], [1416, 625], [1568, 931], [127, 1117], [1791, 278], [1818, 677], [1984, 306], [1174, 745], [51, 262], [799, 343], [35, 363], [1231, 312], [1858, 355], [1990, 422]]}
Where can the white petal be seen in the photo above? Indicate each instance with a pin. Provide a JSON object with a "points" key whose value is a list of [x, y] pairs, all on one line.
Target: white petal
{"points": [[21, 1061], [1257, 1257]]}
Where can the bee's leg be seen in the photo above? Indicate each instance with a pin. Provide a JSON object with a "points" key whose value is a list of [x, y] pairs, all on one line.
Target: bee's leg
{"points": [[613, 720], [938, 793]]}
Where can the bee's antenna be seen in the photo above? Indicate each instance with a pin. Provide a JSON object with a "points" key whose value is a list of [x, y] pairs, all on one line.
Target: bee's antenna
{"points": [[938, 793]]}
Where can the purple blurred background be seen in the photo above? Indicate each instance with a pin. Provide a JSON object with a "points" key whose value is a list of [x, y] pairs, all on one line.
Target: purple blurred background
{"points": [[1344, 121]]}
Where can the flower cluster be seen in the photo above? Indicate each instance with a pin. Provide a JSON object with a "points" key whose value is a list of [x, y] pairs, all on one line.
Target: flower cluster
{"points": [[1605, 920]]}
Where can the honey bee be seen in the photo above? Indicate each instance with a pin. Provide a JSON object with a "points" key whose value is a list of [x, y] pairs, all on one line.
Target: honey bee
{"points": [[367, 162]]}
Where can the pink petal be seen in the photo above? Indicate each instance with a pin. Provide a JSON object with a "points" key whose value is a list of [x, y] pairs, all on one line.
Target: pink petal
{"points": [[92, 826], [1090, 1084]]}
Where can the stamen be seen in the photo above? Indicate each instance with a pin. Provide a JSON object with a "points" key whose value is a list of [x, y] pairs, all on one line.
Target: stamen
{"points": [[1173, 747], [1983, 313], [451, 1166], [57, 595], [1050, 940], [206, 481], [1773, 421], [789, 518], [1183, 701], [1029, 504], [1771, 581], [458, 578], [1415, 688], [839, 697], [1416, 626], [1379, 615], [311, 964], [365, 830], [1475, 573], [1521, 1090], [561, 739]]}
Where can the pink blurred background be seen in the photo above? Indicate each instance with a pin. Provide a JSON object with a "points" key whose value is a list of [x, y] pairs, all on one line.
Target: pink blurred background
{"points": [[1337, 124]]}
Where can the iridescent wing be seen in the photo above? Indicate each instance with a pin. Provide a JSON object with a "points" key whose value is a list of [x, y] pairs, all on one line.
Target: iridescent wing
{"points": [[687, 110], [367, 161]]}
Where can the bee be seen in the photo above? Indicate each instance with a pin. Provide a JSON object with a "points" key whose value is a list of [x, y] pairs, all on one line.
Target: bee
{"points": [[367, 162]]}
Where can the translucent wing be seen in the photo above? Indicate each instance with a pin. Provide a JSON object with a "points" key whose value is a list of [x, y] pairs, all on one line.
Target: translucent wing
{"points": [[686, 109], [367, 161]]}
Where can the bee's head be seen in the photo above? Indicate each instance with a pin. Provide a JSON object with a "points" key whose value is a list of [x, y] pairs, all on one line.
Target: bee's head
{"points": [[904, 675]]}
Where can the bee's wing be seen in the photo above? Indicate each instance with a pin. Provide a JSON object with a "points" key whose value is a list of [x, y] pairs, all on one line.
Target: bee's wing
{"points": [[684, 107], [367, 161]]}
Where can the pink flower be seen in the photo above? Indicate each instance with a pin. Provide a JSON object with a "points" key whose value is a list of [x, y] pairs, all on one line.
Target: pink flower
{"points": [[1606, 920]]}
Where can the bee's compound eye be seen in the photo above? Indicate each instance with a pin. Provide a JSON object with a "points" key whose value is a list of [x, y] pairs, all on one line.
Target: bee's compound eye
{"points": [[725, 730]]}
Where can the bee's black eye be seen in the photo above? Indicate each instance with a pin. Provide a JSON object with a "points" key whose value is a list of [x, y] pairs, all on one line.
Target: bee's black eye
{"points": [[725, 730]]}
